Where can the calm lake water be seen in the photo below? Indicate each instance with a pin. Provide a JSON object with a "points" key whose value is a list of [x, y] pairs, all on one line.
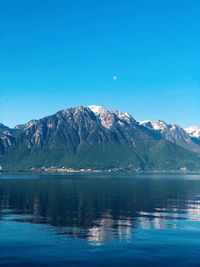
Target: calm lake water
{"points": [[99, 220]]}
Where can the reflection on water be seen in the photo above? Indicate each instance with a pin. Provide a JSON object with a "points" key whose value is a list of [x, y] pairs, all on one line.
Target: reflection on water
{"points": [[101, 209]]}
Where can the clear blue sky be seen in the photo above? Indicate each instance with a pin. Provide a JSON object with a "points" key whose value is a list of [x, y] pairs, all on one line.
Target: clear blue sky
{"points": [[56, 54]]}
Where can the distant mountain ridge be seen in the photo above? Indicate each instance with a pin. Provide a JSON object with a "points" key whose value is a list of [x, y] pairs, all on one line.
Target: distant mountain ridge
{"points": [[193, 131], [175, 134], [95, 137]]}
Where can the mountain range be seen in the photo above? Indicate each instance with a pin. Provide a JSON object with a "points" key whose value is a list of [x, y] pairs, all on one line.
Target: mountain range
{"points": [[98, 138]]}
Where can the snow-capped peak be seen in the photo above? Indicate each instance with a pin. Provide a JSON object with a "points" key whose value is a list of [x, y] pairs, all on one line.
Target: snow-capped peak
{"points": [[156, 125], [193, 131], [122, 115], [144, 122], [105, 116], [159, 125], [109, 117], [97, 109]]}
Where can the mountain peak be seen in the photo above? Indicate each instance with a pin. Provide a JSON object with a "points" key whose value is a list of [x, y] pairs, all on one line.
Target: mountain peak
{"points": [[109, 117], [93, 136], [97, 109], [157, 125], [105, 116], [193, 131]]}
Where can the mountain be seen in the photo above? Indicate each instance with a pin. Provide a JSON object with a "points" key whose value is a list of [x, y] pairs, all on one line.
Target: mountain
{"points": [[7, 138], [193, 131], [173, 133], [93, 137]]}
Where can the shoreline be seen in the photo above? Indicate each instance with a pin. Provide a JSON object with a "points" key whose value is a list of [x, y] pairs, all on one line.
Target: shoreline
{"points": [[97, 171]]}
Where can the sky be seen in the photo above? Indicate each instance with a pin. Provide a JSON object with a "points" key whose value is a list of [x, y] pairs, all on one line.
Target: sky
{"points": [[138, 56]]}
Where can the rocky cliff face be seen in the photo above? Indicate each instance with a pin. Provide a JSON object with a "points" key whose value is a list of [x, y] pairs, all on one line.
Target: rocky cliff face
{"points": [[95, 137], [7, 138]]}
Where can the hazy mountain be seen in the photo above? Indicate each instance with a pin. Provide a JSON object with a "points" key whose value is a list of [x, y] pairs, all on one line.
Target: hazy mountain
{"points": [[94, 137]]}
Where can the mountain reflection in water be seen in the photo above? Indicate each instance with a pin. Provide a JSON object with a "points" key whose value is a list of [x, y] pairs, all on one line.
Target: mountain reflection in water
{"points": [[100, 208]]}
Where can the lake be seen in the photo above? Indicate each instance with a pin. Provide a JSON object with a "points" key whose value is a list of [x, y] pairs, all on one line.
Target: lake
{"points": [[99, 220]]}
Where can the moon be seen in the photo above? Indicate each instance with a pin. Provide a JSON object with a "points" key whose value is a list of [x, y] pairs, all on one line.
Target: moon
{"points": [[114, 78]]}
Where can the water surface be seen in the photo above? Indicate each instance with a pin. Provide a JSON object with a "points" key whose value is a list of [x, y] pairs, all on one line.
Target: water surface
{"points": [[99, 220]]}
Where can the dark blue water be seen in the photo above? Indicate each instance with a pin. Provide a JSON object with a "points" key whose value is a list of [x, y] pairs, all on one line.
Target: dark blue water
{"points": [[99, 220]]}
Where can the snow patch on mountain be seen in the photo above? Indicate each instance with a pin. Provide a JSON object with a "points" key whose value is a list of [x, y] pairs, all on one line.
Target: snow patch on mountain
{"points": [[193, 131], [159, 125], [98, 110], [109, 117], [155, 125], [105, 116], [175, 134]]}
